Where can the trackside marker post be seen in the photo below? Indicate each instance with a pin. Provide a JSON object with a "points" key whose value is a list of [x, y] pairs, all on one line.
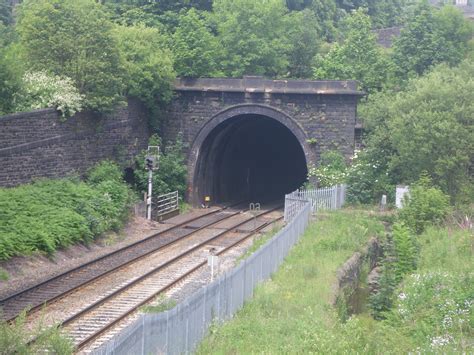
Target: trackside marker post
{"points": [[151, 163]]}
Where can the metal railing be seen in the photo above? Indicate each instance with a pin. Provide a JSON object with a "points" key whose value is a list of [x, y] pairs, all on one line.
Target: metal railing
{"points": [[328, 198], [166, 203], [180, 329]]}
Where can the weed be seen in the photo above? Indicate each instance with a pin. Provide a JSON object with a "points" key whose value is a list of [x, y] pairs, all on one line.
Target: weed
{"points": [[4, 276], [258, 242], [160, 305], [15, 339]]}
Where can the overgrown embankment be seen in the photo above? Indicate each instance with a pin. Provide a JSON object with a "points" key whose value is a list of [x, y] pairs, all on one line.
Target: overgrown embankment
{"points": [[50, 214], [292, 313], [431, 309]]}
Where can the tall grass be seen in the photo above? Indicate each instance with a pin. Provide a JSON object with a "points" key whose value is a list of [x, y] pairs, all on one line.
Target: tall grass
{"points": [[432, 313], [289, 313], [15, 339]]}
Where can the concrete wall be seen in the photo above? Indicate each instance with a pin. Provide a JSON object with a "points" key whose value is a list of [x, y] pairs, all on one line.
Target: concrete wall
{"points": [[38, 145]]}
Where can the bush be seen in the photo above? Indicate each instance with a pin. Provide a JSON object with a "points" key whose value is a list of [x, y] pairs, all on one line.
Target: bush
{"points": [[425, 205], [41, 90], [171, 175], [50, 214], [368, 178], [400, 258], [104, 171], [331, 171], [14, 339]]}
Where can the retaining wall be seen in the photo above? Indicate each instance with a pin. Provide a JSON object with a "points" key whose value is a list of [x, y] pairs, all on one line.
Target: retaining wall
{"points": [[39, 145]]}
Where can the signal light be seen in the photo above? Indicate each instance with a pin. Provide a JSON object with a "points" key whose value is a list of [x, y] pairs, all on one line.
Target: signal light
{"points": [[149, 163]]}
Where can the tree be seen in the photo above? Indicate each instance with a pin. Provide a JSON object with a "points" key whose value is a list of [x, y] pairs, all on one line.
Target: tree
{"points": [[328, 17], [147, 63], [10, 71], [40, 90], [431, 37], [428, 128], [358, 57], [73, 38], [6, 12], [195, 48], [304, 36], [253, 35], [171, 176], [383, 13]]}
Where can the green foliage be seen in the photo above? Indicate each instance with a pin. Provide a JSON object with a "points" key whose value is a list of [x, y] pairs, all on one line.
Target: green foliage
{"points": [[253, 35], [405, 251], [171, 175], [368, 178], [431, 313], [434, 305], [73, 38], [291, 313], [357, 58], [6, 12], [195, 48], [161, 304], [40, 90], [424, 206], [384, 13], [427, 127], [400, 257], [431, 37], [4, 276], [9, 78], [147, 63], [104, 171], [304, 37], [14, 339], [50, 214], [331, 171], [328, 17]]}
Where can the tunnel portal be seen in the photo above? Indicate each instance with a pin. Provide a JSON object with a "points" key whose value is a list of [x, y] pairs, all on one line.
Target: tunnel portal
{"points": [[249, 157]]}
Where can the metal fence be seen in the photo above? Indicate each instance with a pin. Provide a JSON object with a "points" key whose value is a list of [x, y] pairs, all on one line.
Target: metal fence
{"points": [[180, 329], [166, 203], [328, 198]]}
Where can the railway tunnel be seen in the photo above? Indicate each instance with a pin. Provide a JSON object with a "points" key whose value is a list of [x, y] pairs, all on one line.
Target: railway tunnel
{"points": [[248, 156]]}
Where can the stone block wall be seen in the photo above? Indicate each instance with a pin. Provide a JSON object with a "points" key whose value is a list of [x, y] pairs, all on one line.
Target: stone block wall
{"points": [[39, 145], [328, 121]]}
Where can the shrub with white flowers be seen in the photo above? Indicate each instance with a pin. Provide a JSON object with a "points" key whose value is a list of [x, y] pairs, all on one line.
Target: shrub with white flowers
{"points": [[331, 171], [43, 90]]}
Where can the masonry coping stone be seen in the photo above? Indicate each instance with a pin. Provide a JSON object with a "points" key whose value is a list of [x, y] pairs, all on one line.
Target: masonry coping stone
{"points": [[255, 84]]}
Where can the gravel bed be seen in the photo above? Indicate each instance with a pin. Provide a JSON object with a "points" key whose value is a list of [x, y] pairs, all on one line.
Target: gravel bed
{"points": [[26, 271], [191, 284]]}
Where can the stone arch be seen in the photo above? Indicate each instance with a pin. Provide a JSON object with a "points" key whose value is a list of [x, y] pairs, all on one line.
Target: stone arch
{"points": [[232, 113]]}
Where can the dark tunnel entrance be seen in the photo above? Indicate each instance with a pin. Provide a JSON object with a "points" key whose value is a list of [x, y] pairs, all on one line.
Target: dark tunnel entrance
{"points": [[249, 157]]}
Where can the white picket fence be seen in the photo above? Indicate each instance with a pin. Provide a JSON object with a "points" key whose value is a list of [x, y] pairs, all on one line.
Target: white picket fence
{"points": [[328, 198]]}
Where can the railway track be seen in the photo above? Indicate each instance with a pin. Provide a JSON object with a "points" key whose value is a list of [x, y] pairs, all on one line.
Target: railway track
{"points": [[99, 317], [57, 287]]}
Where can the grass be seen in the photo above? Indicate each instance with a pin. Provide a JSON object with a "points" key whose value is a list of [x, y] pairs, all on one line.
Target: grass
{"points": [[4, 276], [289, 312], [184, 207], [160, 305], [14, 339], [258, 242]]}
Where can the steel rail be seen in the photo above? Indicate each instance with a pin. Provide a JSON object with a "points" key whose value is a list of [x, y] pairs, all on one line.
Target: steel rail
{"points": [[109, 255], [98, 333]]}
